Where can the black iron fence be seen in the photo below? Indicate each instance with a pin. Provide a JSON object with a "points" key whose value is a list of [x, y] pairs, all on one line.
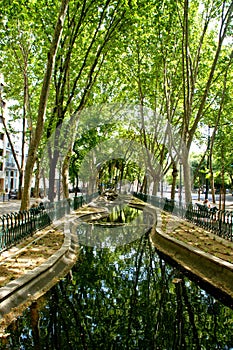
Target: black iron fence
{"points": [[217, 221], [87, 198], [18, 225]]}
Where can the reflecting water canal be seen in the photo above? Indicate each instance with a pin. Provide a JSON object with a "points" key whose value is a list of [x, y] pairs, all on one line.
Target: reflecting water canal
{"points": [[122, 225], [124, 297]]}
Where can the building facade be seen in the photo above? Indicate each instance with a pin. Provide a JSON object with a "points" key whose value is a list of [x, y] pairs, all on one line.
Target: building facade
{"points": [[9, 176], [9, 173], [2, 156]]}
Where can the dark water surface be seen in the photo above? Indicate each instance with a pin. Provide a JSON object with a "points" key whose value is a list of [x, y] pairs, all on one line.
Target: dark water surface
{"points": [[122, 225], [125, 297]]}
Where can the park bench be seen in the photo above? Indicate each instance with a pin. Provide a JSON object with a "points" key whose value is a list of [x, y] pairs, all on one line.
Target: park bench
{"points": [[205, 211]]}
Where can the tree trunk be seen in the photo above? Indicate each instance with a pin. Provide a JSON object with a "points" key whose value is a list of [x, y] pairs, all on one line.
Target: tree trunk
{"points": [[52, 173], [65, 175], [37, 134], [187, 177], [36, 193], [174, 179], [189, 83], [155, 184], [144, 185], [25, 110]]}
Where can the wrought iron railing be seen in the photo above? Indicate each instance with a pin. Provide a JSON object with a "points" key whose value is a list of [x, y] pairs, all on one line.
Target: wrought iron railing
{"points": [[219, 222], [16, 226], [87, 198]]}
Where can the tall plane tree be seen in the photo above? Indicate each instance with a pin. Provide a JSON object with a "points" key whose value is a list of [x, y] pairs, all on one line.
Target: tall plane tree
{"points": [[37, 133], [196, 90], [90, 32], [175, 73]]}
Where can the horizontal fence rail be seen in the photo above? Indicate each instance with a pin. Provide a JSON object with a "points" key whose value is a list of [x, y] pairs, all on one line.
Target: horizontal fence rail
{"points": [[219, 222], [16, 226]]}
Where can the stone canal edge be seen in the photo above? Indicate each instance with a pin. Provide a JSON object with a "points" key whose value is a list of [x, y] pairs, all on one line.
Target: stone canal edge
{"points": [[23, 291], [20, 293], [210, 269]]}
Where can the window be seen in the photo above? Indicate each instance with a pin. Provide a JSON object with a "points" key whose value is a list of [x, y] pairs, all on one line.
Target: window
{"points": [[1, 152], [1, 166], [1, 136]]}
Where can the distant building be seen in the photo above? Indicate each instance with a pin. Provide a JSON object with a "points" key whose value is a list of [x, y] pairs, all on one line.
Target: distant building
{"points": [[11, 170], [9, 175], [2, 156]]}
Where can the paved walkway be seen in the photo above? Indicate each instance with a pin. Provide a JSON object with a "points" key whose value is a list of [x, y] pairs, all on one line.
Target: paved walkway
{"points": [[13, 205]]}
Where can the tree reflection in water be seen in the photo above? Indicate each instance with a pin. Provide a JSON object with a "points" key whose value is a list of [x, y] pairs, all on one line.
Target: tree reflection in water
{"points": [[124, 298]]}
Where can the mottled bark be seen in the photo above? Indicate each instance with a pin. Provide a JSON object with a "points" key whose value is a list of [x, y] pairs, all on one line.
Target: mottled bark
{"points": [[65, 175], [37, 134]]}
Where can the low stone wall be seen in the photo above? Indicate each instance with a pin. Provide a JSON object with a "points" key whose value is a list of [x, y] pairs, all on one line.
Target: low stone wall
{"points": [[209, 268], [20, 293]]}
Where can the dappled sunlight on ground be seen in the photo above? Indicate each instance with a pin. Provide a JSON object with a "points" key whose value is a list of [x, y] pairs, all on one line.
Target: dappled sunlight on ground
{"points": [[17, 261], [198, 237]]}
